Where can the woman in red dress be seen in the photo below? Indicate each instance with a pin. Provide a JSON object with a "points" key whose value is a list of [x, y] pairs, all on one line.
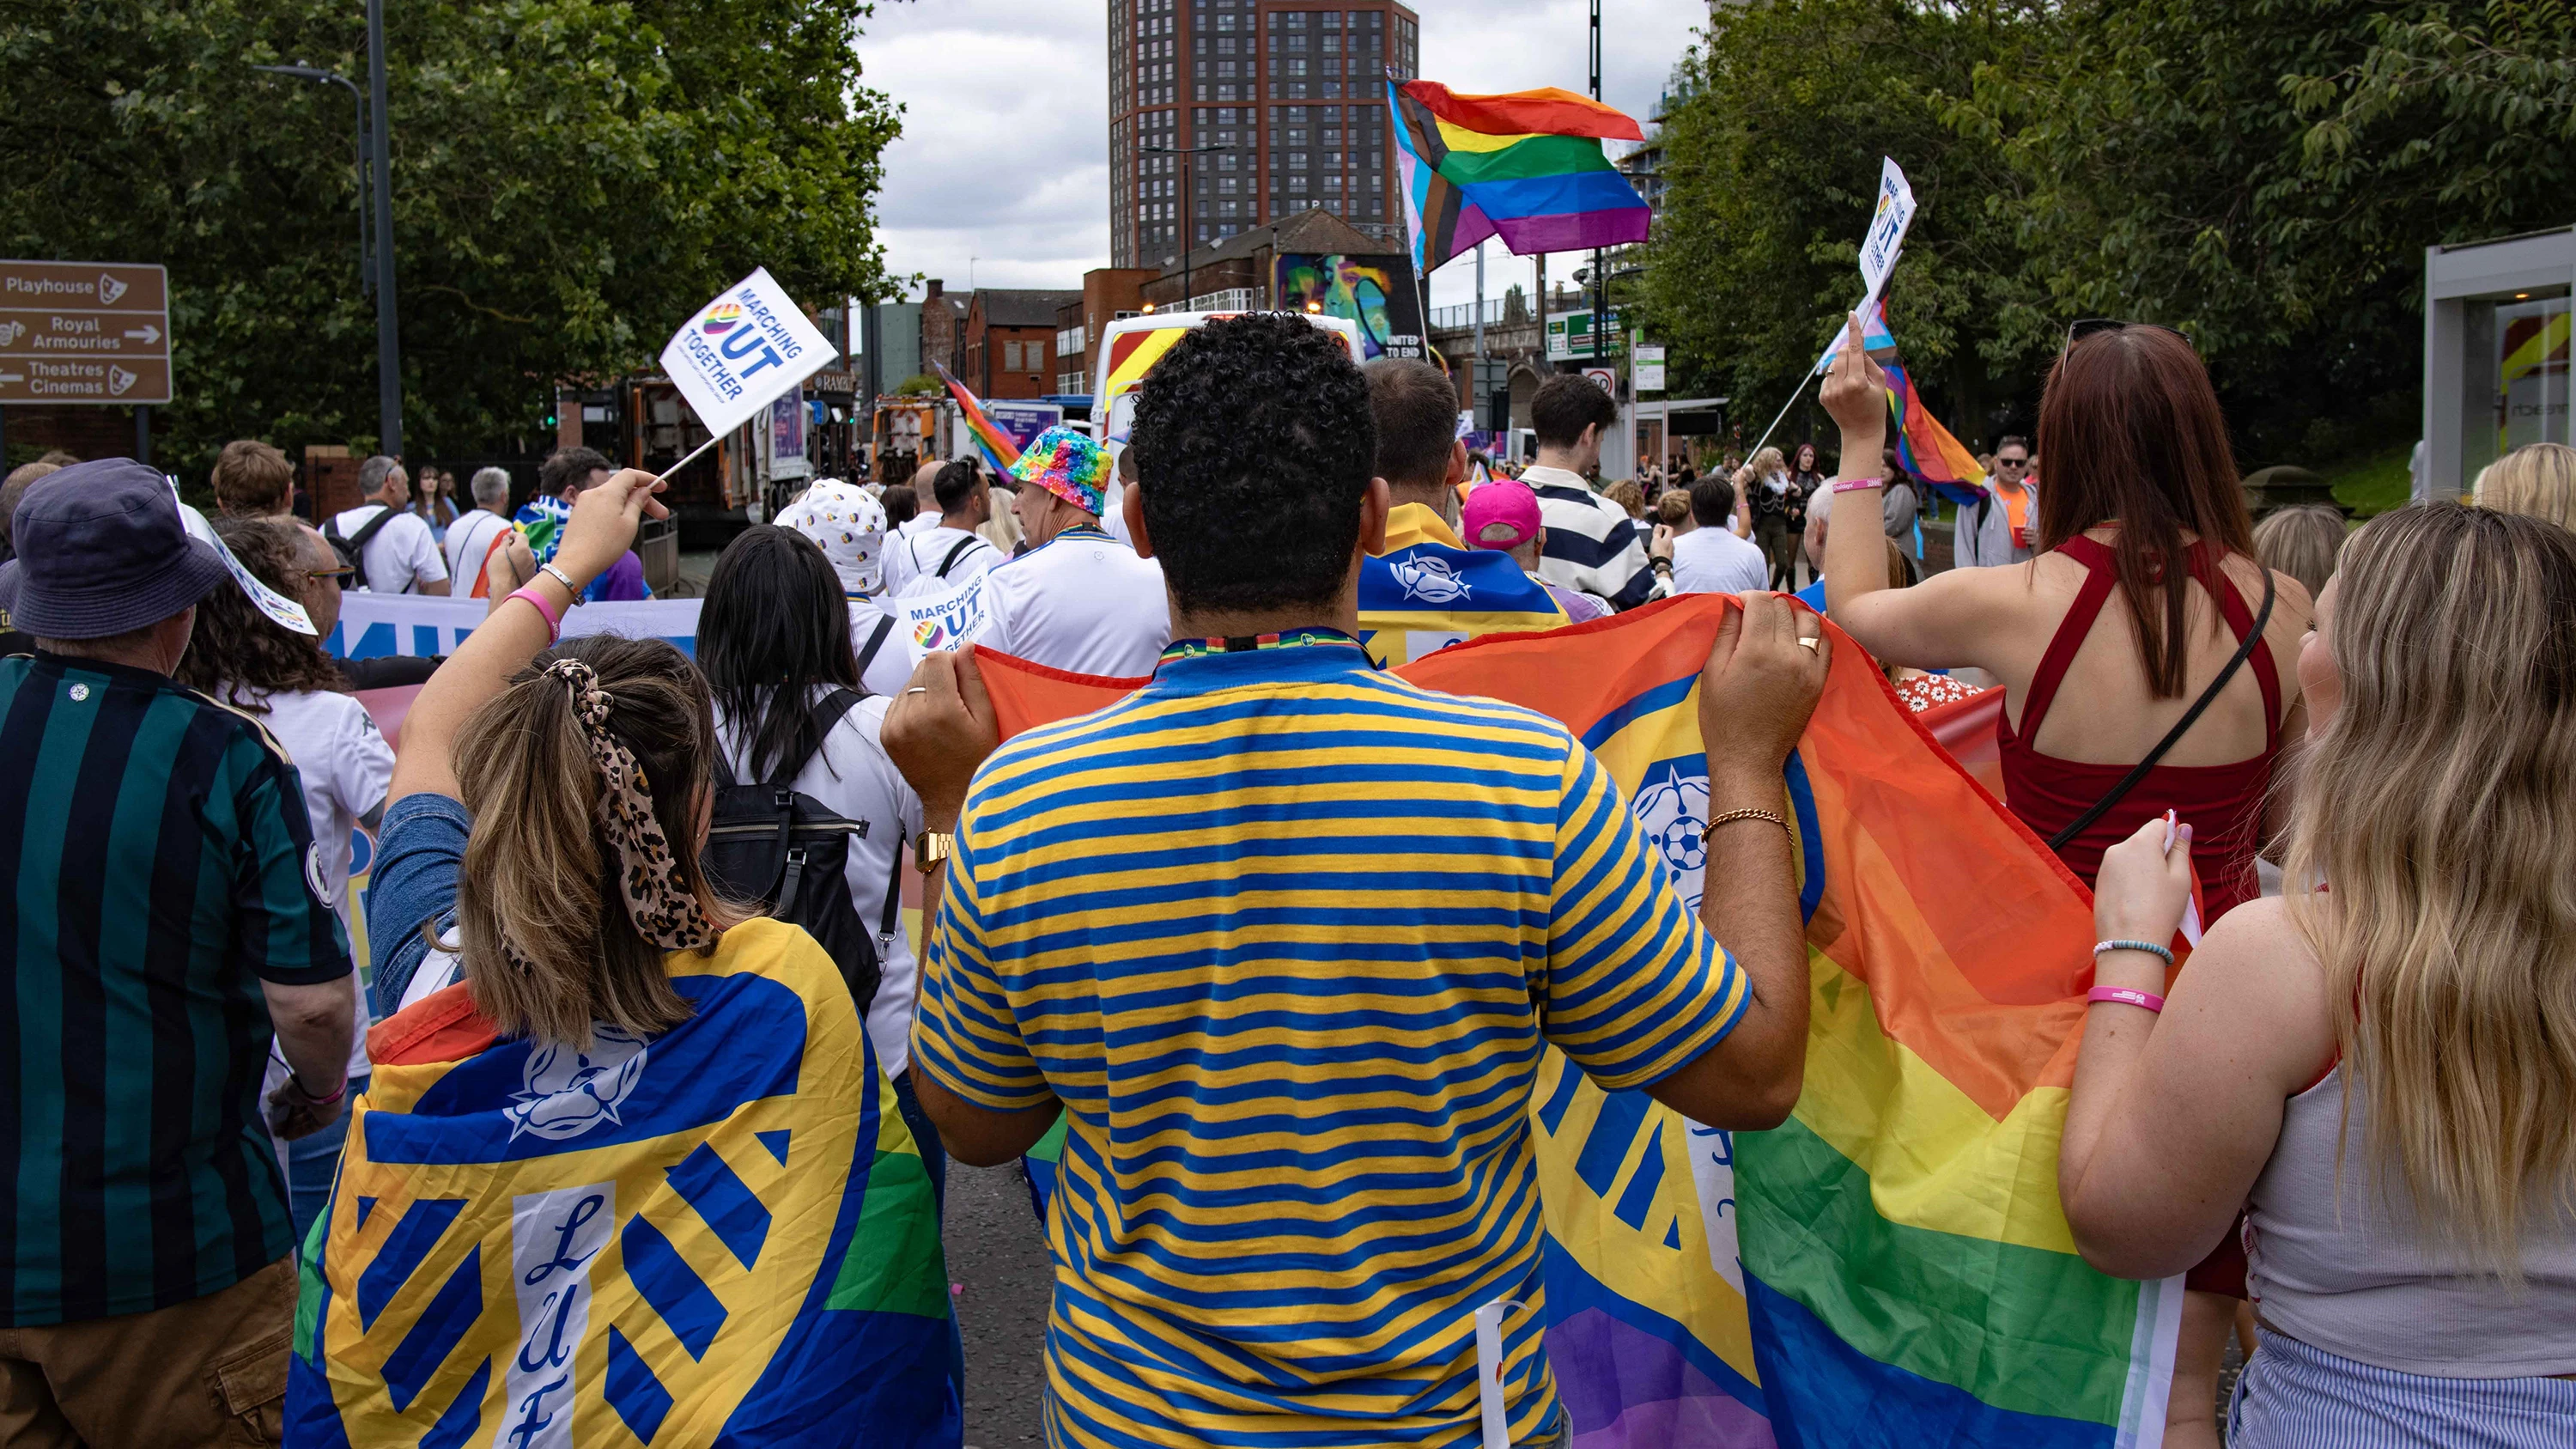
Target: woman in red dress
{"points": [[2149, 663]]}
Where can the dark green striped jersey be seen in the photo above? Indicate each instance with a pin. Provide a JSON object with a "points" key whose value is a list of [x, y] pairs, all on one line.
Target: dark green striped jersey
{"points": [[161, 867]]}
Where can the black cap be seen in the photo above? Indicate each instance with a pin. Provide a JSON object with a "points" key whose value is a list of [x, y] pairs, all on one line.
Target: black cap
{"points": [[102, 551]]}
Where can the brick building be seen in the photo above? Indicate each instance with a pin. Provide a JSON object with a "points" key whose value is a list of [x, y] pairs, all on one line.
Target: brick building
{"points": [[1010, 342], [943, 328], [1108, 293]]}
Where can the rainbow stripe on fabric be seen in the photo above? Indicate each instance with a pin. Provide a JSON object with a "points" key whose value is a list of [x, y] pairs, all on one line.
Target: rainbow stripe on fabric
{"points": [[1526, 167], [997, 445], [1892, 1267]]}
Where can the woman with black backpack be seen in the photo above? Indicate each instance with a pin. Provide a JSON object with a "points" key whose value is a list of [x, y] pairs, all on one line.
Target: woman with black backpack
{"points": [[811, 819]]}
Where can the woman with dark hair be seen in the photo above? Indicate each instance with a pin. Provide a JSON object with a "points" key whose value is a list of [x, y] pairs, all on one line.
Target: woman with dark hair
{"points": [[2149, 662], [242, 658], [774, 640]]}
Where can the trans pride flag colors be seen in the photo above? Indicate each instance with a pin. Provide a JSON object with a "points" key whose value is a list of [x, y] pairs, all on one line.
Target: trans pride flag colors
{"points": [[1526, 167], [1891, 1267], [721, 1235]]}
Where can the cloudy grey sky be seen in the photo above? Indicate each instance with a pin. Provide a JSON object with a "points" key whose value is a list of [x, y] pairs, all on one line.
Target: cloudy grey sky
{"points": [[1001, 177]]}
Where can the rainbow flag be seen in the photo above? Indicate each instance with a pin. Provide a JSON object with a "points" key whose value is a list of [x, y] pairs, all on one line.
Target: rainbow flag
{"points": [[1925, 447], [1526, 167], [1891, 1267], [997, 444], [721, 1234]]}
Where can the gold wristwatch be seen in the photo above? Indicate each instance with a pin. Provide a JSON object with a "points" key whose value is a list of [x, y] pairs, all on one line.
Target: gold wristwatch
{"points": [[930, 850]]}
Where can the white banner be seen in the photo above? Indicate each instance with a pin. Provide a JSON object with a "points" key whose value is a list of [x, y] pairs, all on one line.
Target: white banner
{"points": [[949, 617], [374, 625], [743, 350]]}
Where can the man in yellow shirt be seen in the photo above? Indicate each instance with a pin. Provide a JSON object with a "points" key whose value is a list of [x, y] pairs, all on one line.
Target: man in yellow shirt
{"points": [[1428, 590]]}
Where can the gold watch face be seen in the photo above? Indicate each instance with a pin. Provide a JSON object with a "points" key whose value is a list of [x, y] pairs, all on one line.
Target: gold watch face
{"points": [[929, 851]]}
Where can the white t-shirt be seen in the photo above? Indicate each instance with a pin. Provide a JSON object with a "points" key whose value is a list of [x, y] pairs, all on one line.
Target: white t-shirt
{"points": [[1082, 602], [853, 778], [1714, 561], [468, 540], [891, 670], [912, 559], [401, 557], [345, 766]]}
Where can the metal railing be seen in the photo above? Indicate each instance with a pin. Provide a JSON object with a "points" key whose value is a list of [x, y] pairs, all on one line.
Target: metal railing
{"points": [[1463, 315]]}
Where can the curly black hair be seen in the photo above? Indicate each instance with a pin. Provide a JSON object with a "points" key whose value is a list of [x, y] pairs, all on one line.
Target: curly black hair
{"points": [[237, 655], [1254, 443]]}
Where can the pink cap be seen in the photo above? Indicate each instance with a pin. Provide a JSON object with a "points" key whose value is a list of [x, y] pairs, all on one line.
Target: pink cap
{"points": [[1502, 514]]}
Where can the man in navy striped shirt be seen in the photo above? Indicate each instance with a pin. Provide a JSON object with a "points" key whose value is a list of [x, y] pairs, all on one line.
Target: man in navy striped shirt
{"points": [[1283, 938], [166, 920], [1593, 546]]}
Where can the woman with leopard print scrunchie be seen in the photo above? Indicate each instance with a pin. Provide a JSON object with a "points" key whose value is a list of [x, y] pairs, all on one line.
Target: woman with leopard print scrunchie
{"points": [[663, 1119]]}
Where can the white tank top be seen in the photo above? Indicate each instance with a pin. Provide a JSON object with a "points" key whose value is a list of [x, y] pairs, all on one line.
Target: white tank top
{"points": [[2359, 1283]]}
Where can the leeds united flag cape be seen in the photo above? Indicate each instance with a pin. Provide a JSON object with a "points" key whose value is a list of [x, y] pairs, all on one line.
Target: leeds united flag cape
{"points": [[1892, 1266], [720, 1236]]}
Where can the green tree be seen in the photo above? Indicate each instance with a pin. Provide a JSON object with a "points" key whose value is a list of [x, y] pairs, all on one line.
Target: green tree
{"points": [[570, 178], [1773, 150]]}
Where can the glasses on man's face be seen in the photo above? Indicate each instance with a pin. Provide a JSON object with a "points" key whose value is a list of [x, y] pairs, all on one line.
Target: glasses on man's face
{"points": [[2077, 332], [339, 576], [2012, 462]]}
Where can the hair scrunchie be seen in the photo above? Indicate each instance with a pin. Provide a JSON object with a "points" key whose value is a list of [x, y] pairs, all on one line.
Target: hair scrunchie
{"points": [[664, 911]]}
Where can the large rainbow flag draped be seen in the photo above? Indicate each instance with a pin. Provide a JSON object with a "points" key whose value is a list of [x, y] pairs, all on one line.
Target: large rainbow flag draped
{"points": [[997, 444], [1892, 1267], [721, 1235], [1526, 167]]}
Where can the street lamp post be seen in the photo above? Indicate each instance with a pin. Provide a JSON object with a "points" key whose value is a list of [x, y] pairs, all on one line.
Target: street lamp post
{"points": [[375, 244], [1189, 171]]}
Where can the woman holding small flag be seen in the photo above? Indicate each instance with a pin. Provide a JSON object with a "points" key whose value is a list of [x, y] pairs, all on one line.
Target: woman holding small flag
{"points": [[2148, 660], [636, 1173]]}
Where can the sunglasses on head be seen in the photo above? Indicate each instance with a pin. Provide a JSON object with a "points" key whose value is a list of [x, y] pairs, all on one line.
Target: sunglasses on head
{"points": [[340, 575], [2077, 332]]}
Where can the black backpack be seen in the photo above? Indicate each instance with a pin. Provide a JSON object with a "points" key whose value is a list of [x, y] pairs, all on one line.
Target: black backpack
{"points": [[352, 551], [768, 843]]}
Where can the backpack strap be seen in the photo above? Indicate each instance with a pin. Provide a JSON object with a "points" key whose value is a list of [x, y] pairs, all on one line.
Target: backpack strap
{"points": [[949, 562], [357, 545], [889, 926], [2244, 650], [828, 715], [876, 641]]}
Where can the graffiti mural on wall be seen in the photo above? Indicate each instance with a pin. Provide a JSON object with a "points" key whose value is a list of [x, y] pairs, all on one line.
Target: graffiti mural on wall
{"points": [[1375, 292]]}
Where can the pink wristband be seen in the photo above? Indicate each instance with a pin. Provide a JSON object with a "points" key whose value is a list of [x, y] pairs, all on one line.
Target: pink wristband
{"points": [[1854, 485], [2126, 997], [537, 601]]}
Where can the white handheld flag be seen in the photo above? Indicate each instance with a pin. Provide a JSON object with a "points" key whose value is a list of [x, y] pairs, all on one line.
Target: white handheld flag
{"points": [[1878, 253], [742, 352]]}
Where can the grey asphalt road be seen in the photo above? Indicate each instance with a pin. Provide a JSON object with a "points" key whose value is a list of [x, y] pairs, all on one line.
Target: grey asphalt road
{"points": [[997, 1255]]}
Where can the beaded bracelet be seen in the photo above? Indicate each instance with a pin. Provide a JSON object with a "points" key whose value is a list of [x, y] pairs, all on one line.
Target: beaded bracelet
{"points": [[2150, 947]]}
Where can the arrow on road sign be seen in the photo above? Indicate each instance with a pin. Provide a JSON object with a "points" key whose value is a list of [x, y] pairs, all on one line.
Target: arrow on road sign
{"points": [[147, 333]]}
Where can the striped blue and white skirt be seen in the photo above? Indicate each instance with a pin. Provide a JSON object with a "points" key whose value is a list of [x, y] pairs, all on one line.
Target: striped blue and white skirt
{"points": [[2294, 1395]]}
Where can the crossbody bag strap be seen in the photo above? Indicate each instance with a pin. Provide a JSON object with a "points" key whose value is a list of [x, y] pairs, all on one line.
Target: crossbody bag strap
{"points": [[2244, 651], [950, 562], [876, 641]]}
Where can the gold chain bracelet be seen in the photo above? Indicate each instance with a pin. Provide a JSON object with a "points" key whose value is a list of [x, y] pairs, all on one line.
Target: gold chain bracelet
{"points": [[1731, 816]]}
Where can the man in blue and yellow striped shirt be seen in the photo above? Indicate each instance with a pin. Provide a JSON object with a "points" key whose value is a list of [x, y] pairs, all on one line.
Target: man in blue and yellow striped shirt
{"points": [[1284, 937]]}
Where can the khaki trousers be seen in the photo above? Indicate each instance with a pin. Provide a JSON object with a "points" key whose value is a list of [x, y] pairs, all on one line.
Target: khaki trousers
{"points": [[210, 1371]]}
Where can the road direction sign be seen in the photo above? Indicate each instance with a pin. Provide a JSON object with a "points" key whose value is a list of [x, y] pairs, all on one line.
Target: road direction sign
{"points": [[84, 332]]}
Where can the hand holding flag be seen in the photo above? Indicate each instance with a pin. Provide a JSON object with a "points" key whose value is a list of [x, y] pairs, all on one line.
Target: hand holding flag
{"points": [[1855, 395]]}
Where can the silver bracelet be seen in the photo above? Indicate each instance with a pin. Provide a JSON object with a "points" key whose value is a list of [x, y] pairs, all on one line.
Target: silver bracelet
{"points": [[565, 579], [2150, 947]]}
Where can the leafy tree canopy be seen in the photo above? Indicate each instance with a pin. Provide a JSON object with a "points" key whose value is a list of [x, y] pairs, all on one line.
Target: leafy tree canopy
{"points": [[570, 178], [2263, 174]]}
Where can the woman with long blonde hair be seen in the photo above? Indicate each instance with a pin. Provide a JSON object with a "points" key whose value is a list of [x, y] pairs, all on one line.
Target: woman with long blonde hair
{"points": [[2385, 1067], [2537, 478]]}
